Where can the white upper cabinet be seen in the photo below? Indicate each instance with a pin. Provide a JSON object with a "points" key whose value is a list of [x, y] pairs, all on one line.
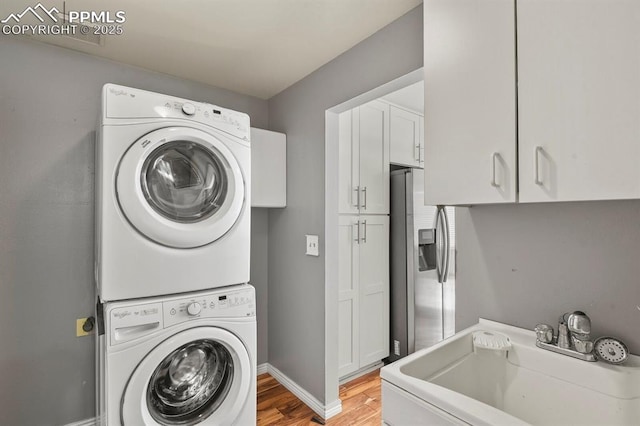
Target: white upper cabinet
{"points": [[364, 160], [268, 168], [348, 165], [470, 101], [406, 147], [579, 99]]}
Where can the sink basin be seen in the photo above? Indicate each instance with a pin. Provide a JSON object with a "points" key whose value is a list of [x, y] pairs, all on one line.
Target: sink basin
{"points": [[450, 383]]}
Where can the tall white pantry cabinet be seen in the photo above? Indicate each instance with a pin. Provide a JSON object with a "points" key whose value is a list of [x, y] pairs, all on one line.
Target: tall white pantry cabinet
{"points": [[363, 304], [531, 100]]}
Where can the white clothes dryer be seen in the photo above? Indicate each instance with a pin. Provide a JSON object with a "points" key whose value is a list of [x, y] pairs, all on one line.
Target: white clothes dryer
{"points": [[172, 195], [188, 360]]}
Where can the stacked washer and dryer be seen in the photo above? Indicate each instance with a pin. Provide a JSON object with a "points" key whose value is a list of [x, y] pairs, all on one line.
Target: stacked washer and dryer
{"points": [[176, 318]]}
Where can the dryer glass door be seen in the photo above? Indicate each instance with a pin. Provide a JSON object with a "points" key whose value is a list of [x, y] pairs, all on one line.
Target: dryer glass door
{"points": [[184, 182], [181, 187]]}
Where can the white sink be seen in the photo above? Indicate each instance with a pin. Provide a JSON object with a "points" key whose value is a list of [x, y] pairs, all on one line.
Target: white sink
{"points": [[449, 383]]}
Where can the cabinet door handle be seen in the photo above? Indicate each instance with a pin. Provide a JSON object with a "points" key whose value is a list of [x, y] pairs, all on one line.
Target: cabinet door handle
{"points": [[357, 191], [364, 234], [357, 232], [364, 196], [417, 157], [537, 165], [494, 181]]}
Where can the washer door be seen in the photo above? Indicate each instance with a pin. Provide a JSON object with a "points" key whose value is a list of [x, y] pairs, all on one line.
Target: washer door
{"points": [[201, 375], [180, 187]]}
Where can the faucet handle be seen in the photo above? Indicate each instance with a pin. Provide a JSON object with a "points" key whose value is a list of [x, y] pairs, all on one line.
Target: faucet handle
{"points": [[579, 323], [581, 345], [544, 333]]}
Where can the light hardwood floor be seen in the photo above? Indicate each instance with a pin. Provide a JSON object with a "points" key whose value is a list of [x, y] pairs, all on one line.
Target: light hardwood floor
{"points": [[361, 403]]}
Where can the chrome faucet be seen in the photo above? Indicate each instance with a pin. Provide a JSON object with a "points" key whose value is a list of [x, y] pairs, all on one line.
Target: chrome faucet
{"points": [[573, 339]]}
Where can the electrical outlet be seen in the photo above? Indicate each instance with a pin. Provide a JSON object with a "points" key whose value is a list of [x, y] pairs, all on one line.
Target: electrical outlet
{"points": [[396, 347], [312, 245], [80, 330]]}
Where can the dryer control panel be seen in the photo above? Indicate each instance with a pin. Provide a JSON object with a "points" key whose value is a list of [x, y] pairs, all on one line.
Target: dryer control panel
{"points": [[237, 303], [125, 103]]}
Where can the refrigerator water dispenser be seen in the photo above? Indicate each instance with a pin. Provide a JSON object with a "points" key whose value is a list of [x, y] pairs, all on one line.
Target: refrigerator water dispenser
{"points": [[426, 249]]}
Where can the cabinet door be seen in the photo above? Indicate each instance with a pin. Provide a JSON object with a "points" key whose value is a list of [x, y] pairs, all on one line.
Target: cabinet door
{"points": [[470, 101], [348, 163], [268, 168], [348, 299], [404, 137], [579, 99], [373, 124], [374, 289]]}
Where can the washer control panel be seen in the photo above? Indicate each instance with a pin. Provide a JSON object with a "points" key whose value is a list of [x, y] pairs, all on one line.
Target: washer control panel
{"points": [[232, 304], [127, 321]]}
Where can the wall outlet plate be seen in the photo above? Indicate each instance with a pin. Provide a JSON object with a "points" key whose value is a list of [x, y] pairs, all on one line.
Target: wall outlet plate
{"points": [[312, 245], [80, 331]]}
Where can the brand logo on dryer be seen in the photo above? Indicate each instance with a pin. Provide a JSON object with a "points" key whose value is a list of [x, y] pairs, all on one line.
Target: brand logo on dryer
{"points": [[120, 92]]}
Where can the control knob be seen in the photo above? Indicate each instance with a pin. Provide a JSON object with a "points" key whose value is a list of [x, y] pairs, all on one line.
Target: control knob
{"points": [[194, 309], [189, 109]]}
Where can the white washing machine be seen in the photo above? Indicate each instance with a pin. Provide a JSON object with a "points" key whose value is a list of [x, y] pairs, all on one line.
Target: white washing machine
{"points": [[188, 360], [172, 195]]}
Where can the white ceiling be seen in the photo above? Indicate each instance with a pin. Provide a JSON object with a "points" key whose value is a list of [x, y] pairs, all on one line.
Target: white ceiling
{"points": [[254, 47], [410, 97]]}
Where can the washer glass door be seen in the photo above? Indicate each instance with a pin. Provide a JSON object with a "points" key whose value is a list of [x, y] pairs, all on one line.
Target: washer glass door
{"points": [[190, 383], [201, 375]]}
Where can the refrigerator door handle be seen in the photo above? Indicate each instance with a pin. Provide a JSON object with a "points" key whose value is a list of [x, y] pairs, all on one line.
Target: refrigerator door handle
{"points": [[439, 265], [447, 245]]}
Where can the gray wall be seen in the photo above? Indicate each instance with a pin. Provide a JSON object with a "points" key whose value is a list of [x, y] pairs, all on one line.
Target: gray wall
{"points": [[526, 264], [297, 282], [49, 104]]}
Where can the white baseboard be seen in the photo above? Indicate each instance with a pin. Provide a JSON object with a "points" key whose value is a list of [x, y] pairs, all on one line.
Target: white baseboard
{"points": [[86, 422], [262, 368], [365, 370], [324, 411]]}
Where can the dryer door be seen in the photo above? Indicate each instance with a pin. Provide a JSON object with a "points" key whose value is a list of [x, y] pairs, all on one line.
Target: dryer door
{"points": [[180, 187], [199, 376]]}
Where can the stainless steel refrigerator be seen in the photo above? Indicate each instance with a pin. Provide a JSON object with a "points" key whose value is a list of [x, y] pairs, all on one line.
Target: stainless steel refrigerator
{"points": [[422, 267]]}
